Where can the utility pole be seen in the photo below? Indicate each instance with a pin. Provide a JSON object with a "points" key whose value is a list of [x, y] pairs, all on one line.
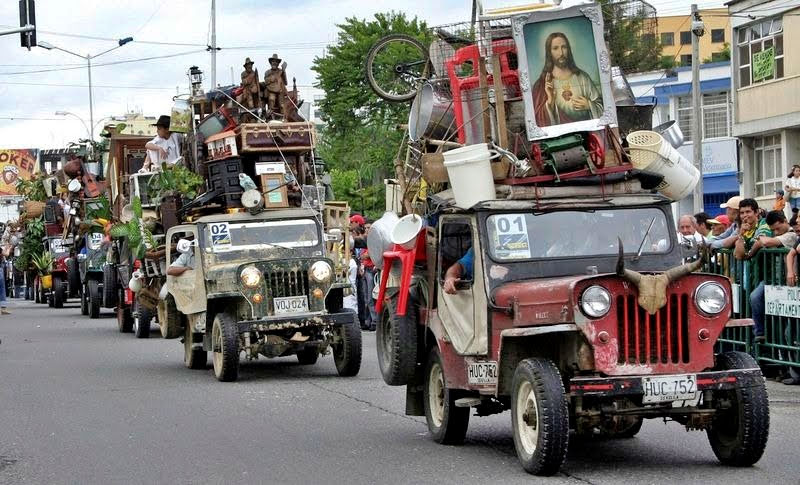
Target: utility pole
{"points": [[91, 102], [697, 112], [213, 44]]}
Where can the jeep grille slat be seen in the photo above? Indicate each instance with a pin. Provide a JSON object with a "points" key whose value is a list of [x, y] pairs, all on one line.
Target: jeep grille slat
{"points": [[652, 339]]}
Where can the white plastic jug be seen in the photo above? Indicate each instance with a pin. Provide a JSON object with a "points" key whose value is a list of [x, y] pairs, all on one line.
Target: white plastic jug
{"points": [[406, 230], [650, 152], [470, 172]]}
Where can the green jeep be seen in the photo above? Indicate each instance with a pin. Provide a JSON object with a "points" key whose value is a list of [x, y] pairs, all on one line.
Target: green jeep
{"points": [[259, 284]]}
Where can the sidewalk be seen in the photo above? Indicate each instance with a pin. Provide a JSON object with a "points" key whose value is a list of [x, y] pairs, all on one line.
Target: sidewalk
{"points": [[780, 393]]}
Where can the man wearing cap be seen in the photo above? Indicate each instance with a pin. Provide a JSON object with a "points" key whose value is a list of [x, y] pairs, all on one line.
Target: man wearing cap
{"points": [[251, 88], [719, 225], [165, 147], [728, 238], [275, 84], [185, 261]]}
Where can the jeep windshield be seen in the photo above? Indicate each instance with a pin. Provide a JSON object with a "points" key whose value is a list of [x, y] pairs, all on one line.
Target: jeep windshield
{"points": [[281, 238], [564, 234]]}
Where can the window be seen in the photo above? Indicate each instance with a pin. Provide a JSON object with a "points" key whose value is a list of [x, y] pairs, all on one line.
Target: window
{"points": [[456, 240], [755, 38], [717, 36], [686, 37], [649, 39], [767, 162], [686, 59], [718, 57], [667, 38], [716, 115]]}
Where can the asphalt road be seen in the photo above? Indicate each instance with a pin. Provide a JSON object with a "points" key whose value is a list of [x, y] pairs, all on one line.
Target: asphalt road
{"points": [[81, 403]]}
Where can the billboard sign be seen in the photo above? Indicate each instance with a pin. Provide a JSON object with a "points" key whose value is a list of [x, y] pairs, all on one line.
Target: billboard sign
{"points": [[15, 165]]}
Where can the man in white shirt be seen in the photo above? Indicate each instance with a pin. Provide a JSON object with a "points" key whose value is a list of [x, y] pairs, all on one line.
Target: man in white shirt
{"points": [[165, 147], [687, 232]]}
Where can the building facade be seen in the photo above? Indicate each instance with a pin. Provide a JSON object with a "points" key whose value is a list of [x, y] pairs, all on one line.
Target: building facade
{"points": [[675, 37], [671, 92], [766, 95]]}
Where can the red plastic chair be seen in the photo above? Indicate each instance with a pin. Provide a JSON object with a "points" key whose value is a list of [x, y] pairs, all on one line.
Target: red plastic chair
{"points": [[407, 258]]}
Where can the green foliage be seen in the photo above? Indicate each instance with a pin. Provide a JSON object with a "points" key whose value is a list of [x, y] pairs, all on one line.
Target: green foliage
{"points": [[349, 102], [43, 262], [631, 44], [32, 189], [98, 209], [173, 180], [133, 231], [31, 245], [723, 55], [360, 140]]}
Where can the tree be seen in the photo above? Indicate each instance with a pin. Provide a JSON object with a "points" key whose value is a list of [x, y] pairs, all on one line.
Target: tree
{"points": [[630, 33], [361, 132], [723, 55]]}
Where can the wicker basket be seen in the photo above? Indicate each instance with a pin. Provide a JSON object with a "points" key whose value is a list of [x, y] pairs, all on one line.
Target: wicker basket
{"points": [[644, 147], [34, 208]]}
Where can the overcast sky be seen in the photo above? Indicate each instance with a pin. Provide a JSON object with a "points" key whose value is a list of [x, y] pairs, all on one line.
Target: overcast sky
{"points": [[254, 28]]}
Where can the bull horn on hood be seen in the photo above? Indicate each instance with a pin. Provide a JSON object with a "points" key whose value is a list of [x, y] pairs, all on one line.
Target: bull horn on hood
{"points": [[673, 274], [631, 276]]}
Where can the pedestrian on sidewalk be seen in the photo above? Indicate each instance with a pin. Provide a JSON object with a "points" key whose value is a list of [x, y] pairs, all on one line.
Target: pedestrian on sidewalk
{"points": [[3, 300], [793, 188]]}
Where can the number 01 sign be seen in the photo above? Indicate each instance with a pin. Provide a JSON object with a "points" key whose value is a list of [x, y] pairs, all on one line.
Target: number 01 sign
{"points": [[512, 236]]}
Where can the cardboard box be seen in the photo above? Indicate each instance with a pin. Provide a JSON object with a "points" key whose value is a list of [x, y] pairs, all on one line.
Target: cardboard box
{"points": [[273, 186]]}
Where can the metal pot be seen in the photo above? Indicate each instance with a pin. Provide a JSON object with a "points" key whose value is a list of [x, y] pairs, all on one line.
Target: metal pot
{"points": [[671, 132], [623, 94], [432, 115]]}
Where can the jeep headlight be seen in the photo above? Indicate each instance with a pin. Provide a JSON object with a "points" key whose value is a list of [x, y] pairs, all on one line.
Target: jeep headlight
{"points": [[595, 301], [321, 271], [710, 297], [251, 277]]}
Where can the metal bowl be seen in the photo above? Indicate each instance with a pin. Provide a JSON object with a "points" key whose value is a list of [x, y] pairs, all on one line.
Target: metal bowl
{"points": [[671, 132]]}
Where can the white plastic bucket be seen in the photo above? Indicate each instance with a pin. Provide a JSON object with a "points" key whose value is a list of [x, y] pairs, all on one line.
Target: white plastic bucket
{"points": [[650, 152], [470, 172], [406, 230]]}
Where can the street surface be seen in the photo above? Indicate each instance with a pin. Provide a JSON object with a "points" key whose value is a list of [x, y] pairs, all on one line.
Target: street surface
{"points": [[81, 403]]}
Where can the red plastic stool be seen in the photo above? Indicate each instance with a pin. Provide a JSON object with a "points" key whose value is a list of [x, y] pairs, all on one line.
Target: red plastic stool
{"points": [[406, 257]]}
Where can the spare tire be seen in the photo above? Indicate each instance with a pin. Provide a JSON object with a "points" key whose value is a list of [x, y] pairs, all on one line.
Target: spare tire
{"points": [[109, 286], [396, 342]]}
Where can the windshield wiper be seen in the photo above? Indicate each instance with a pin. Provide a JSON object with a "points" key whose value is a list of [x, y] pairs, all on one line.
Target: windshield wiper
{"points": [[641, 245]]}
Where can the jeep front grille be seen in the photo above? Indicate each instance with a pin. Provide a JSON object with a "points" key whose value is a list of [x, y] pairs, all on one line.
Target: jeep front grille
{"points": [[282, 283], [652, 339]]}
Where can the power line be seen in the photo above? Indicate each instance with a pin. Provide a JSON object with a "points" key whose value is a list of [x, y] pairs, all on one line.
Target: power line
{"points": [[111, 63], [83, 86], [31, 119], [111, 39], [150, 17]]}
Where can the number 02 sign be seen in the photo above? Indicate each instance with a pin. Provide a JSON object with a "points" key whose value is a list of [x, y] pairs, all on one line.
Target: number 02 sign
{"points": [[512, 236], [220, 236]]}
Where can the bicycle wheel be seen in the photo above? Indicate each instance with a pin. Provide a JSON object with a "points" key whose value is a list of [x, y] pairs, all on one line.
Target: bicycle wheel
{"points": [[396, 66]]}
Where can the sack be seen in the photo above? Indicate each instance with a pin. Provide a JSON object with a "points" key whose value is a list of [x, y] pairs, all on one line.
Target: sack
{"points": [[148, 297]]}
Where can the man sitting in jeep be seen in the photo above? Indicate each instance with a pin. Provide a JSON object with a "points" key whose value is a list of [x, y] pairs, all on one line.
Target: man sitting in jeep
{"points": [[183, 262]]}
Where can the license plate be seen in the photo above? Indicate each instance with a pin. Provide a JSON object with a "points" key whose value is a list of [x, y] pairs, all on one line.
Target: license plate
{"points": [[290, 304], [482, 373], [669, 388]]}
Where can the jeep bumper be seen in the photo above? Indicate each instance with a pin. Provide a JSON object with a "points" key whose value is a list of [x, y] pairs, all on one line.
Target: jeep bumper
{"points": [[298, 320], [632, 385]]}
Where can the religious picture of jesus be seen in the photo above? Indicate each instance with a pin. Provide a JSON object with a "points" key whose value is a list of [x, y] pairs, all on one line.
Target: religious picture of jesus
{"points": [[563, 92]]}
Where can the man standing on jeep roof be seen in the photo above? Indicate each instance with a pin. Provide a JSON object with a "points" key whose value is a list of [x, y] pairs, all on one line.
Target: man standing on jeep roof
{"points": [[165, 147]]}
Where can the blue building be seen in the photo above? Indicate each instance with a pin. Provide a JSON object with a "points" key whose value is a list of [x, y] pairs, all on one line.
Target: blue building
{"points": [[671, 91]]}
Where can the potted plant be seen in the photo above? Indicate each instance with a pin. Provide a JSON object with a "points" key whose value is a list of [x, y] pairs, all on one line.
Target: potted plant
{"points": [[43, 263], [172, 185]]}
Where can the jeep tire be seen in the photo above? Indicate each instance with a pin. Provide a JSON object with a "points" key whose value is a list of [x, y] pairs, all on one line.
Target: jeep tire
{"points": [[109, 286], [169, 319], [58, 292], [84, 300], [347, 353], [94, 298], [539, 416], [738, 434], [447, 423], [73, 278], [308, 356], [142, 317], [225, 347], [396, 342]]}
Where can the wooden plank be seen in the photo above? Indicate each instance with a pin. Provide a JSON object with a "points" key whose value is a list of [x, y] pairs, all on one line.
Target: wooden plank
{"points": [[484, 88], [500, 99]]}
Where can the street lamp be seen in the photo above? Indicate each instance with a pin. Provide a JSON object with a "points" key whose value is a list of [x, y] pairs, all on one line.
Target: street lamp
{"points": [[88, 58], [196, 78], [65, 113]]}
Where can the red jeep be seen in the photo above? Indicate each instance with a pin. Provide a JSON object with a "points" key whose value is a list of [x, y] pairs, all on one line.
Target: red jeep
{"points": [[559, 325]]}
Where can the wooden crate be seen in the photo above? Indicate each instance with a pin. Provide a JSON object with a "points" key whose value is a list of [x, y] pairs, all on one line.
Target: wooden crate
{"points": [[336, 214], [276, 137], [273, 186]]}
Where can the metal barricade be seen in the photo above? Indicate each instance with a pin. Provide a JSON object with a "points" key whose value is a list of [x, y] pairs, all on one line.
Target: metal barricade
{"points": [[782, 334]]}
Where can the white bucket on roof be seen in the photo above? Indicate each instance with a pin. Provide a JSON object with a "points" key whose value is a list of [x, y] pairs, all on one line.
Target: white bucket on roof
{"points": [[650, 152], [470, 172], [406, 230]]}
